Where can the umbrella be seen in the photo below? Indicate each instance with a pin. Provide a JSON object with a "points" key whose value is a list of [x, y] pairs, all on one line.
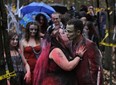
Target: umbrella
{"points": [[59, 8], [30, 17], [37, 7]]}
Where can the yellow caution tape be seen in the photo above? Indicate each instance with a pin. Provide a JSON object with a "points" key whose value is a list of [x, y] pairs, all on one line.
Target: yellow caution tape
{"points": [[107, 44], [7, 75], [110, 12], [96, 10]]}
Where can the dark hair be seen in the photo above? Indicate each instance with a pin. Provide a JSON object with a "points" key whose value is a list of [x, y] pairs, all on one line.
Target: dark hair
{"points": [[83, 8], [27, 32], [91, 28], [45, 24], [65, 18], [82, 14], [37, 18], [56, 41], [11, 35], [78, 24]]}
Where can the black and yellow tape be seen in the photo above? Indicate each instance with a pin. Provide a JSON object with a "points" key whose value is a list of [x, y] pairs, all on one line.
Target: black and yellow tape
{"points": [[8, 75], [105, 43], [96, 10]]}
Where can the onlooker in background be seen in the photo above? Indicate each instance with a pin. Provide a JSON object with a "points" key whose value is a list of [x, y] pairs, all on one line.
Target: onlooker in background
{"points": [[102, 22], [83, 8], [89, 70], [19, 62], [72, 11], [90, 32], [43, 23], [30, 45], [91, 16], [64, 18], [57, 24], [84, 20]]}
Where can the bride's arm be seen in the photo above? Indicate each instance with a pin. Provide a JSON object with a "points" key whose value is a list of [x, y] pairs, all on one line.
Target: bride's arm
{"points": [[60, 59]]}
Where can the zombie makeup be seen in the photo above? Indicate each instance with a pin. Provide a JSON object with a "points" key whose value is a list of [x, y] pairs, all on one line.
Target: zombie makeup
{"points": [[33, 30], [70, 31]]}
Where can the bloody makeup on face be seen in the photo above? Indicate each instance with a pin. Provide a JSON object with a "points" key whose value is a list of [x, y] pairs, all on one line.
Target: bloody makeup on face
{"points": [[33, 30], [70, 31]]}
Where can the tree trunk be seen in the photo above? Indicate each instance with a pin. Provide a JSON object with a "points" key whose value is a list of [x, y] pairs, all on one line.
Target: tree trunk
{"points": [[4, 42]]}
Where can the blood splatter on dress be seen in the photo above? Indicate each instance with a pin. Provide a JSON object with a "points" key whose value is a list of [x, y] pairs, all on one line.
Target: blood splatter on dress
{"points": [[47, 72]]}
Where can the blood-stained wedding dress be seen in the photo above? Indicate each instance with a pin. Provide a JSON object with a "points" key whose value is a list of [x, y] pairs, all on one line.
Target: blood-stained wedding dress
{"points": [[47, 72]]}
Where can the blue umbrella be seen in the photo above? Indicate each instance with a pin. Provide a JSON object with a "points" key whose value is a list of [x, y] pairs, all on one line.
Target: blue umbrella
{"points": [[37, 7], [30, 17]]}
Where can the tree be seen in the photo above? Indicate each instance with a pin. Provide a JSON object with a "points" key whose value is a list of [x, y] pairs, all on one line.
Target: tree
{"points": [[4, 48]]}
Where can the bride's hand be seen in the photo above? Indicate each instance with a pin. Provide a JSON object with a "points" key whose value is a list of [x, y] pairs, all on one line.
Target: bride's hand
{"points": [[80, 52]]}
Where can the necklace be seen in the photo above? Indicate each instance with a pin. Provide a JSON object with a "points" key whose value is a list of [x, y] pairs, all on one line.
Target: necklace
{"points": [[36, 53]]}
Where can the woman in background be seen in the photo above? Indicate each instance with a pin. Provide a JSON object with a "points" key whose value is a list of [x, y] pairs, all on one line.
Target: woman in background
{"points": [[90, 32], [43, 23], [19, 62]]}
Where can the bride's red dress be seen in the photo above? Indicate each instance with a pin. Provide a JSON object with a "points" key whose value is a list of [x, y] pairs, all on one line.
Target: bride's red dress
{"points": [[47, 72]]}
